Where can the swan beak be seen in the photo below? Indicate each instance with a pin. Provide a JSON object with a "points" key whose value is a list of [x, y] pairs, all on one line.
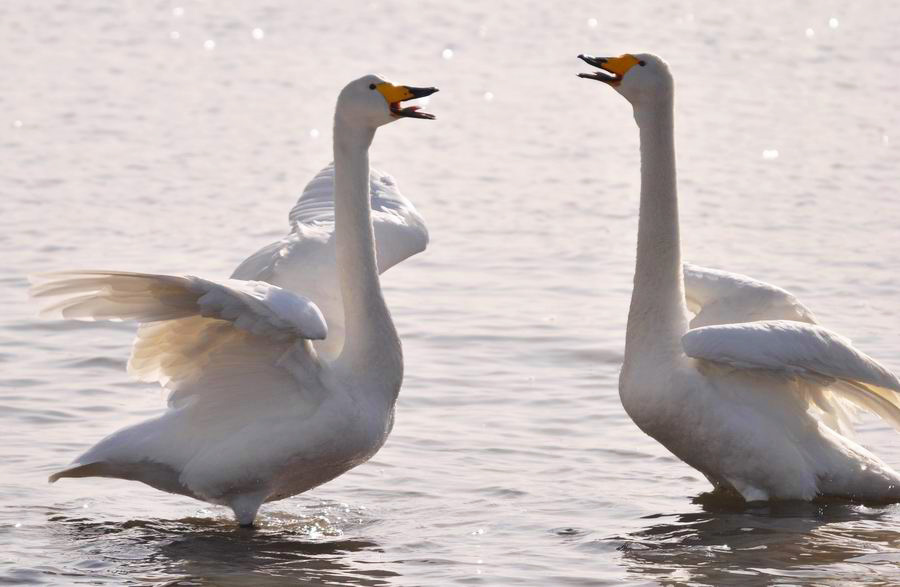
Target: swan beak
{"points": [[396, 94], [617, 66]]}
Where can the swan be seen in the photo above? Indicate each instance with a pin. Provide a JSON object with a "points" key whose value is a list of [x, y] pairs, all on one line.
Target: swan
{"points": [[756, 395], [255, 414]]}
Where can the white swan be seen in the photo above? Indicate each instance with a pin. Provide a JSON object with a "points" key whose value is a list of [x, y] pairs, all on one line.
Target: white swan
{"points": [[255, 414], [735, 401]]}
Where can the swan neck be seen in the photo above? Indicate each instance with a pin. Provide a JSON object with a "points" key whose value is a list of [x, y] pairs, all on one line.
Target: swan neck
{"points": [[658, 316], [371, 349]]}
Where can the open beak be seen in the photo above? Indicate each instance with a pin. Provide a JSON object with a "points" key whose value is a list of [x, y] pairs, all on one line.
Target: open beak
{"points": [[612, 69], [397, 94]]}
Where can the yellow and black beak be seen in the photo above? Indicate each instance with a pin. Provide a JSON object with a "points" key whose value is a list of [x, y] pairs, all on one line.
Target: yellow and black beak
{"points": [[396, 94], [617, 66]]}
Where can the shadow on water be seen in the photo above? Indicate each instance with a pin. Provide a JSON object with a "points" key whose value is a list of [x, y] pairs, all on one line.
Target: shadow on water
{"points": [[731, 542], [204, 551]]}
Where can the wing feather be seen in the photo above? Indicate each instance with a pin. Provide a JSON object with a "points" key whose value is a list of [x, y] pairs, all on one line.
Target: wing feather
{"points": [[400, 231], [188, 324], [721, 297], [304, 261], [804, 350], [257, 307]]}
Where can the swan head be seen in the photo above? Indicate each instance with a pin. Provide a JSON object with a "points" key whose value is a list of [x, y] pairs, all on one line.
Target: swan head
{"points": [[372, 101], [640, 78]]}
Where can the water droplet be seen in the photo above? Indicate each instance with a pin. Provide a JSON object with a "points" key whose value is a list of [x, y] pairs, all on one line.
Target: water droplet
{"points": [[833, 22], [258, 34], [488, 96], [885, 140], [174, 35], [810, 33], [770, 154], [447, 53], [592, 22], [209, 44], [18, 525], [478, 532], [680, 575], [178, 11], [18, 124], [314, 133]]}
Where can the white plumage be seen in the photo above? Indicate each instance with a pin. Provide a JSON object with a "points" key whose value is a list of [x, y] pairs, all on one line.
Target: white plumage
{"points": [[255, 413], [721, 297], [752, 392], [304, 260]]}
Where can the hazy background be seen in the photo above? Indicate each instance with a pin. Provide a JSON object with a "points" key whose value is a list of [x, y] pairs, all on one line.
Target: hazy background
{"points": [[175, 136]]}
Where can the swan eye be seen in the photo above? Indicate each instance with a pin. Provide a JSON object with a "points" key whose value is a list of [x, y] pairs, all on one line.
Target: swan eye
{"points": [[371, 86], [642, 63]]}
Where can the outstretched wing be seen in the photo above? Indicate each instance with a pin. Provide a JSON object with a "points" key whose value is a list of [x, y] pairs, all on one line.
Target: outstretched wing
{"points": [[804, 350], [190, 326], [720, 297], [304, 261], [400, 231]]}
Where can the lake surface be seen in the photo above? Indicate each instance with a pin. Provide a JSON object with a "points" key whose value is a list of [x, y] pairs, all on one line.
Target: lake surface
{"points": [[175, 136]]}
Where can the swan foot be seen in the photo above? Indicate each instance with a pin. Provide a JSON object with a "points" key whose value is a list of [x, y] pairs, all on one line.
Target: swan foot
{"points": [[245, 507]]}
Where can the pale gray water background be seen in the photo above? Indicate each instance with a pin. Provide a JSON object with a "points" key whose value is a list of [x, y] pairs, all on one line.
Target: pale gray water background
{"points": [[511, 461]]}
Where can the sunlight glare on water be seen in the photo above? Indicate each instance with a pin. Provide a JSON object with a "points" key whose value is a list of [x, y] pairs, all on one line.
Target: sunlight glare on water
{"points": [[511, 461]]}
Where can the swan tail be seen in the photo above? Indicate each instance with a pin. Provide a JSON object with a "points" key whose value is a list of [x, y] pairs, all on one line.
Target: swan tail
{"points": [[96, 469]]}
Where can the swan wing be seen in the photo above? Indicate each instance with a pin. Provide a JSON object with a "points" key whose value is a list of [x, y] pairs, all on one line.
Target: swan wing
{"points": [[256, 307], [721, 297], [804, 350], [190, 326], [400, 231], [306, 255], [246, 387], [304, 261]]}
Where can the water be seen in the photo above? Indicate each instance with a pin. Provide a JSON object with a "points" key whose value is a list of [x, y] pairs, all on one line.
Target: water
{"points": [[172, 137]]}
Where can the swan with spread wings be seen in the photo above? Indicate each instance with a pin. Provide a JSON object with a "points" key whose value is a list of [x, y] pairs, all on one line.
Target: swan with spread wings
{"points": [[256, 412]]}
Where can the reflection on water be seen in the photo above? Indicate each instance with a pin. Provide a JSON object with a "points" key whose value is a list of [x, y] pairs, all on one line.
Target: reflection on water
{"points": [[213, 551], [728, 542]]}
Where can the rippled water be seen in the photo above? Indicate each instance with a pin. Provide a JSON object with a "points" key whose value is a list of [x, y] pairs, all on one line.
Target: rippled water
{"points": [[175, 136]]}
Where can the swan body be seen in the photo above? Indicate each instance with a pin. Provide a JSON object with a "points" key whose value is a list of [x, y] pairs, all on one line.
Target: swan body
{"points": [[255, 413], [753, 393]]}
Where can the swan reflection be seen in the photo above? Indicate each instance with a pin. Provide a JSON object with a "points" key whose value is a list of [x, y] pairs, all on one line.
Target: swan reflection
{"points": [[213, 551], [728, 542]]}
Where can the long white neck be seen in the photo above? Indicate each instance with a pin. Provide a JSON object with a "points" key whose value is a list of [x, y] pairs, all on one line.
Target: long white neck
{"points": [[658, 316], [371, 353]]}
